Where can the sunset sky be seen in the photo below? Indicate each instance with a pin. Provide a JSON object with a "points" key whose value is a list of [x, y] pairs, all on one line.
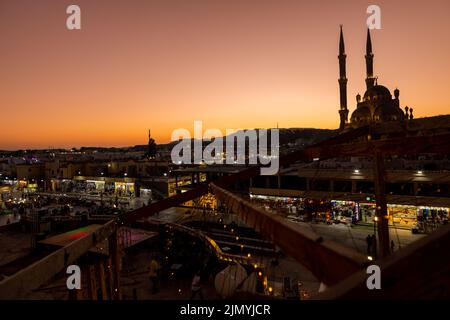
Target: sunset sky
{"points": [[161, 64]]}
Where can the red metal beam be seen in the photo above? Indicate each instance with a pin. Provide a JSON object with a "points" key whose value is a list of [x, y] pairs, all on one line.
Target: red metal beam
{"points": [[419, 271], [327, 260]]}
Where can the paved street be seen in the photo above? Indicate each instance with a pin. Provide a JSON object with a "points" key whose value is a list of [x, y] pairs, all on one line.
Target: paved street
{"points": [[174, 214], [355, 237], [4, 218]]}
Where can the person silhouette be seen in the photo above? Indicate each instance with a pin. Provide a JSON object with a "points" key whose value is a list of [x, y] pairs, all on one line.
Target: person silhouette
{"points": [[153, 275], [369, 244]]}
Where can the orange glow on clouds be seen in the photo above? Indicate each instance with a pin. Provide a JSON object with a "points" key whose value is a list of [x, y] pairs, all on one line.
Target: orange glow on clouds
{"points": [[162, 64]]}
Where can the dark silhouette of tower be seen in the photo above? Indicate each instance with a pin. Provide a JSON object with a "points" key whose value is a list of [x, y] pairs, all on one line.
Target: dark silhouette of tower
{"points": [[151, 147], [370, 80], [343, 111]]}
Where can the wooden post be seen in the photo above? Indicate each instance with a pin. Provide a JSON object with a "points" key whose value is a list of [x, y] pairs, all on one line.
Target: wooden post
{"points": [[79, 294], [110, 278], [102, 278], [383, 246], [92, 282], [115, 265], [75, 294]]}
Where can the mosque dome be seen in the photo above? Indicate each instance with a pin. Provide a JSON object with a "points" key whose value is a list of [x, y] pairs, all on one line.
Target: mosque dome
{"points": [[377, 92], [388, 112], [361, 116]]}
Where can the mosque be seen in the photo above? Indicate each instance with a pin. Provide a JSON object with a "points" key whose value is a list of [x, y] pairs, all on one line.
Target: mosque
{"points": [[377, 105]]}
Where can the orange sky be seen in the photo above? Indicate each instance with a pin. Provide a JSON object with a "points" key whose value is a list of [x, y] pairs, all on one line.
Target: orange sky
{"points": [[139, 64]]}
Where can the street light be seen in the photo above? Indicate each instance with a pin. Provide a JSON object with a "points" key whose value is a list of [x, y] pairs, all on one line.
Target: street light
{"points": [[375, 236], [375, 225]]}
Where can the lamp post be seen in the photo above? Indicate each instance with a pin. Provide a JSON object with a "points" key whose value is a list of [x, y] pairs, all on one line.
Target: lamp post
{"points": [[375, 236]]}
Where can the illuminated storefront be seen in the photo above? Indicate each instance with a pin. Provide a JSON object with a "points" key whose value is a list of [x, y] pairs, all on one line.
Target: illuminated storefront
{"points": [[124, 188], [433, 213], [366, 211], [104, 185], [31, 187], [22, 184], [95, 185], [401, 215], [208, 201], [406, 216], [347, 208], [5, 192]]}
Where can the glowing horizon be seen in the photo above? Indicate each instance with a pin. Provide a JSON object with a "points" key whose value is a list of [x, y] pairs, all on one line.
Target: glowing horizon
{"points": [[161, 64]]}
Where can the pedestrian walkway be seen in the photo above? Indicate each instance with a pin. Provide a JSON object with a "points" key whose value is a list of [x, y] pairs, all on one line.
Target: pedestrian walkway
{"points": [[355, 237]]}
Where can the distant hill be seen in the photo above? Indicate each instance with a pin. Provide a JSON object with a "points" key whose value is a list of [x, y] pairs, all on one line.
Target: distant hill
{"points": [[288, 137], [292, 137], [305, 136]]}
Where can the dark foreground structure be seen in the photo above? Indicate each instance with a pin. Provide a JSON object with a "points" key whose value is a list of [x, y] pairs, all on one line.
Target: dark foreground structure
{"points": [[419, 271]]}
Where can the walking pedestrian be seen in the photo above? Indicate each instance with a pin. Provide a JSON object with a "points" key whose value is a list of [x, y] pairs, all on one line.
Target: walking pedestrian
{"points": [[392, 246], [153, 275], [369, 244]]}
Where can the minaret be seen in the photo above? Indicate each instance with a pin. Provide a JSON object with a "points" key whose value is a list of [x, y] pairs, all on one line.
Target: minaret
{"points": [[343, 111], [151, 147], [370, 80]]}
